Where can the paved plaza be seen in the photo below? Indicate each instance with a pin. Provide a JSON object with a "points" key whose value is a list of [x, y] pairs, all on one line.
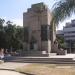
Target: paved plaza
{"points": [[12, 65], [7, 67], [5, 72]]}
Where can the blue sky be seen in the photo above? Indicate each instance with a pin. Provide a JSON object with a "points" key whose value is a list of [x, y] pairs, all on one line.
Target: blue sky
{"points": [[13, 9]]}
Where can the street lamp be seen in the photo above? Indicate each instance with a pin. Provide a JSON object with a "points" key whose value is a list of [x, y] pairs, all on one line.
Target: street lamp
{"points": [[70, 46]]}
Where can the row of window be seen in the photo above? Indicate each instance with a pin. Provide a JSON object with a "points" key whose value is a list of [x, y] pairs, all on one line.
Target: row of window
{"points": [[69, 36], [71, 25], [69, 32]]}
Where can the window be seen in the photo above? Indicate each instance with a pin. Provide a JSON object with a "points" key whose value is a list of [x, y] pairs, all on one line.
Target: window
{"points": [[45, 32]]}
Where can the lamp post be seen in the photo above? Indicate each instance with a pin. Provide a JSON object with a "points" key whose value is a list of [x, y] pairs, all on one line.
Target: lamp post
{"points": [[70, 46]]}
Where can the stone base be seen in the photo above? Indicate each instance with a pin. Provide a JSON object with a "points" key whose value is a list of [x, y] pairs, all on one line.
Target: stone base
{"points": [[35, 53]]}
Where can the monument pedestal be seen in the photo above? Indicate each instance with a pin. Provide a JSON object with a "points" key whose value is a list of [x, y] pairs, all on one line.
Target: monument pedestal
{"points": [[37, 27], [35, 53]]}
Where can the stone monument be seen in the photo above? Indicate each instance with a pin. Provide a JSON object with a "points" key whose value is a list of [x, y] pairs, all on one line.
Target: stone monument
{"points": [[37, 31]]}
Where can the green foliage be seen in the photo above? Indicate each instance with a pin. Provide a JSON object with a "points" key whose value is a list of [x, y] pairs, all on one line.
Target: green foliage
{"points": [[60, 40], [10, 34], [62, 9]]}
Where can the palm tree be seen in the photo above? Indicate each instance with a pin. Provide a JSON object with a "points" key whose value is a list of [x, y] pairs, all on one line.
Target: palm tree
{"points": [[62, 9]]}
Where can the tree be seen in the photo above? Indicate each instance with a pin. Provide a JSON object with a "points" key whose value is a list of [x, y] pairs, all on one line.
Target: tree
{"points": [[62, 9], [1, 23], [2, 34], [60, 40], [19, 36], [10, 33], [13, 35]]}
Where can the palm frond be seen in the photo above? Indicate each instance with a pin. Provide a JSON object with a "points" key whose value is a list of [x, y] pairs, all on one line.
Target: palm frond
{"points": [[62, 9]]}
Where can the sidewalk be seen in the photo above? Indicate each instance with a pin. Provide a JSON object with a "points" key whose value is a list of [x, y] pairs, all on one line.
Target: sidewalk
{"points": [[5, 72], [12, 65]]}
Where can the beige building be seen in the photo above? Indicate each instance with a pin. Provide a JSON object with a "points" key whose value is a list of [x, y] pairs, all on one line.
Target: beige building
{"points": [[36, 22]]}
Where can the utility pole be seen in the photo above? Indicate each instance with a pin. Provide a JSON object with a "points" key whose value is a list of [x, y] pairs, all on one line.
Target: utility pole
{"points": [[70, 46]]}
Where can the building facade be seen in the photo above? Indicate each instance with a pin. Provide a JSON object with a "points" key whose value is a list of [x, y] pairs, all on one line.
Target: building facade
{"points": [[69, 36], [68, 33], [36, 22]]}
